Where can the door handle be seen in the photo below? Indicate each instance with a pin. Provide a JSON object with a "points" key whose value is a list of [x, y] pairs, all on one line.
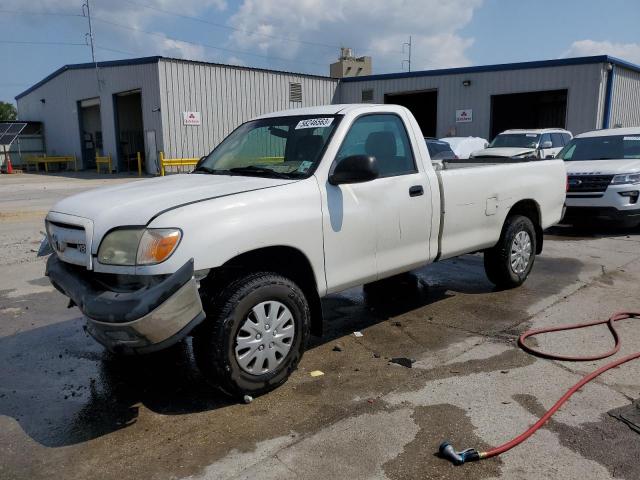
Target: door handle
{"points": [[416, 191]]}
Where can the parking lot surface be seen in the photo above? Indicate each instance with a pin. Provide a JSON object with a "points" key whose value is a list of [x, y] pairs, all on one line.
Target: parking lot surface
{"points": [[70, 410]]}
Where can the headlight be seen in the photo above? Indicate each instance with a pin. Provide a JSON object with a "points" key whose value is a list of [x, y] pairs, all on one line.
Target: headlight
{"points": [[138, 246], [156, 245], [626, 179], [120, 247]]}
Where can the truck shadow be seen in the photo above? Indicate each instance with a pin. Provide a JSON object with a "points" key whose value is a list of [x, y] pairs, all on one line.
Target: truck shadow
{"points": [[62, 388], [590, 232]]}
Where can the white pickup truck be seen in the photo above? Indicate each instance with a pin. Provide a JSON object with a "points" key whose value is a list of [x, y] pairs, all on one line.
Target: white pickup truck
{"points": [[290, 207]]}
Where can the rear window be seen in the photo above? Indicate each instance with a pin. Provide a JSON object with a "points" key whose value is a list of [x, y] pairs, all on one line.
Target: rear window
{"points": [[612, 147], [439, 150]]}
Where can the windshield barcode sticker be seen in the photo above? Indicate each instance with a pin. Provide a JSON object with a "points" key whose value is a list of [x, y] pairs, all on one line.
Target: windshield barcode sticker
{"points": [[314, 123]]}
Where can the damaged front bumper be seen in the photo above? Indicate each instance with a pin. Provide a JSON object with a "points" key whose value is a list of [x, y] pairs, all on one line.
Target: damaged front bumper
{"points": [[141, 320]]}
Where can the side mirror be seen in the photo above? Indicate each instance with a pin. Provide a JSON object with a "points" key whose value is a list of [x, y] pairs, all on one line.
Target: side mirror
{"points": [[546, 144], [354, 169]]}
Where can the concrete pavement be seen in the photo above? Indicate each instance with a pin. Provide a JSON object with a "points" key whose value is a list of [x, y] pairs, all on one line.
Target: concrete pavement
{"points": [[70, 410]]}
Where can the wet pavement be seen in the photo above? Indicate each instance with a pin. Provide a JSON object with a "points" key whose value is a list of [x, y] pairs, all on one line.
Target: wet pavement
{"points": [[70, 410]]}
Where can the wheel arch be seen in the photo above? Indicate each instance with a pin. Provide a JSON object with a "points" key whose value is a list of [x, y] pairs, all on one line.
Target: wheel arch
{"points": [[529, 208], [284, 260]]}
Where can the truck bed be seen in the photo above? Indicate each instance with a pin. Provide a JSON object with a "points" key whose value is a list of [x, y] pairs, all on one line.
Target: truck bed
{"points": [[476, 197]]}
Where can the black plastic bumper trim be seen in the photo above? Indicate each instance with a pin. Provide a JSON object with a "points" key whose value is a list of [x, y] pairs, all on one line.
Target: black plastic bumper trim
{"points": [[109, 306]]}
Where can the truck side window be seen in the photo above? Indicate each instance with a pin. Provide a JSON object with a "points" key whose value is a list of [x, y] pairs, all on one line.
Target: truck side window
{"points": [[557, 139], [382, 136]]}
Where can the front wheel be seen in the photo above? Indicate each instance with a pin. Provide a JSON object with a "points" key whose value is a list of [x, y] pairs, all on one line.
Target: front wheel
{"points": [[509, 263], [254, 336]]}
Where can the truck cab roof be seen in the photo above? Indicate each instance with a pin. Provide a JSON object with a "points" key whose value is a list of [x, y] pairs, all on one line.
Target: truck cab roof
{"points": [[326, 110]]}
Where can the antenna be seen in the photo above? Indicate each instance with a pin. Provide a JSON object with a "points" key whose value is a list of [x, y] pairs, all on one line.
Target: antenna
{"points": [[88, 38], [407, 60]]}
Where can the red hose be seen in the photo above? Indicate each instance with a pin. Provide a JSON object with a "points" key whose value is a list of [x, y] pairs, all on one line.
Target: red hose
{"points": [[530, 333]]}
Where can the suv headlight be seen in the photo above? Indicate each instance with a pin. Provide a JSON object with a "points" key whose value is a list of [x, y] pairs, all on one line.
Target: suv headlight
{"points": [[626, 179], [138, 246]]}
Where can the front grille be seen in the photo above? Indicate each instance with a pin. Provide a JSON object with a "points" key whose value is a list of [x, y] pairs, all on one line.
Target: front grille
{"points": [[589, 183], [69, 242]]}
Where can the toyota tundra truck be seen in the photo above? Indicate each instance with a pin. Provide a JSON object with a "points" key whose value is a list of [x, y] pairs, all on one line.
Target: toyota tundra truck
{"points": [[289, 208]]}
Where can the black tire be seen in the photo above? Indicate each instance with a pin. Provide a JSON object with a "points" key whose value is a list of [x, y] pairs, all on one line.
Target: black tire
{"points": [[497, 260], [214, 342]]}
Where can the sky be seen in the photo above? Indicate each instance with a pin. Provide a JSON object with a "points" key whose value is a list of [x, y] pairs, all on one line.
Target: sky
{"points": [[39, 36]]}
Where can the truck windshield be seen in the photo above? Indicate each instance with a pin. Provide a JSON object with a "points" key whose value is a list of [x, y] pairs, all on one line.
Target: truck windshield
{"points": [[281, 147], [515, 140], [612, 147]]}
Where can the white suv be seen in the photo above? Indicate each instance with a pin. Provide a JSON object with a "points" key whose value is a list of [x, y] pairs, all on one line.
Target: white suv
{"points": [[603, 169], [531, 143]]}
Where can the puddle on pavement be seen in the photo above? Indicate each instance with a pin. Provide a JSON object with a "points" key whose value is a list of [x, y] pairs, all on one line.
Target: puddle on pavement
{"points": [[608, 442], [419, 458]]}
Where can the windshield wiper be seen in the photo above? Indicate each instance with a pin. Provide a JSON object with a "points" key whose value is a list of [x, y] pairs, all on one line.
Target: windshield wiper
{"points": [[203, 169], [211, 171], [253, 170]]}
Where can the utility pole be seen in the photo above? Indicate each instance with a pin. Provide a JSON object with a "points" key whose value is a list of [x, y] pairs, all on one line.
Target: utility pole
{"points": [[88, 38], [405, 44]]}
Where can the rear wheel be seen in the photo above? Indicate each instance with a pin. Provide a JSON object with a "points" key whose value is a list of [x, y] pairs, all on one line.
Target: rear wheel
{"points": [[509, 263], [255, 335]]}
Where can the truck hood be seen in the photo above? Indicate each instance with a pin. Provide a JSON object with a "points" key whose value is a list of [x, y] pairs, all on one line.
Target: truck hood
{"points": [[136, 203], [503, 152], [605, 167]]}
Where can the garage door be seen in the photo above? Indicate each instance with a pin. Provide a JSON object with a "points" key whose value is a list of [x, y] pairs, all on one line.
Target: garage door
{"points": [[423, 105], [547, 109]]}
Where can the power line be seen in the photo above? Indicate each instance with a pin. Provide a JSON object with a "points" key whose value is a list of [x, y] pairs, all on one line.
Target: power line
{"points": [[49, 14], [25, 42], [228, 50], [115, 50]]}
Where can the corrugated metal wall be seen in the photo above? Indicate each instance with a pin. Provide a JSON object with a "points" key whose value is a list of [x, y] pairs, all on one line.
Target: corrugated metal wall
{"points": [[225, 96], [625, 104], [583, 83], [59, 112]]}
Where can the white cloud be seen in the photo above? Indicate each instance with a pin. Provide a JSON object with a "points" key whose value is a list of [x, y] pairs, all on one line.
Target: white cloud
{"points": [[625, 51], [376, 28], [177, 49]]}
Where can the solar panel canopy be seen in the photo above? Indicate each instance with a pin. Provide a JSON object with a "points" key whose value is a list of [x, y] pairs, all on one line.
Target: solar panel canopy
{"points": [[9, 131]]}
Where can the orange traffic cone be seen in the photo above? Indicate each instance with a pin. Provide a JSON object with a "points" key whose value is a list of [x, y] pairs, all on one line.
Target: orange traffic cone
{"points": [[9, 166]]}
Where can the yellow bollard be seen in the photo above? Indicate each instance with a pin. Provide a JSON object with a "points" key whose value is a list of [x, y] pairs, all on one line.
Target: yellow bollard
{"points": [[139, 164], [162, 164]]}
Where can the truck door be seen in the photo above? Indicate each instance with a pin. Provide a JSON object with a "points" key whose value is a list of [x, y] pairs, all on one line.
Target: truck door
{"points": [[378, 228]]}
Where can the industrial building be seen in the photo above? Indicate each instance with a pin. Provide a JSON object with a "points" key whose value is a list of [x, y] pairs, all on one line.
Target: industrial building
{"points": [[152, 104], [578, 94], [185, 108]]}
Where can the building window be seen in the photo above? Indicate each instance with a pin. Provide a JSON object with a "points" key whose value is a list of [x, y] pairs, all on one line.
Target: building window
{"points": [[295, 92], [367, 95]]}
